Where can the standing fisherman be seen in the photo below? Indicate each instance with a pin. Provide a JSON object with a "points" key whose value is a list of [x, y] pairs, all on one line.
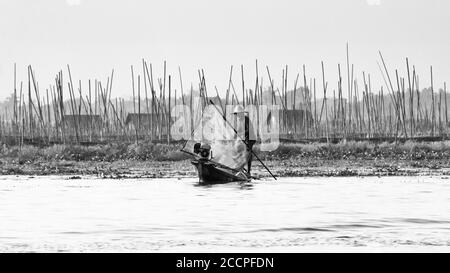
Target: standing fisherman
{"points": [[243, 122]]}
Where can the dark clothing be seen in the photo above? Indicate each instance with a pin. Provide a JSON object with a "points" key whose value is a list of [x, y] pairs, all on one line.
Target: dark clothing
{"points": [[250, 156], [249, 142], [249, 139], [249, 129]]}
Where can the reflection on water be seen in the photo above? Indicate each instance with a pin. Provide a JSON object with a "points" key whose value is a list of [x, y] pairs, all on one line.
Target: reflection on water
{"points": [[291, 214], [240, 185]]}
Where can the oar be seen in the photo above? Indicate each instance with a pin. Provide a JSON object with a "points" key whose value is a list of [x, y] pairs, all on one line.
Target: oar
{"points": [[251, 150]]}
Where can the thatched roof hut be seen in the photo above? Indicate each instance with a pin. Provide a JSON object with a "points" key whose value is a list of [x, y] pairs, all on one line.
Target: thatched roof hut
{"points": [[82, 121], [143, 120]]}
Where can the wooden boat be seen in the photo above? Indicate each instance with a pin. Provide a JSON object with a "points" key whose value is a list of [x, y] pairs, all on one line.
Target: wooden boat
{"points": [[218, 155], [210, 172]]}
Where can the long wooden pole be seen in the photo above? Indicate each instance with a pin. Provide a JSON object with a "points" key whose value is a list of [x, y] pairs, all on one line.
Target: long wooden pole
{"points": [[134, 103], [240, 137]]}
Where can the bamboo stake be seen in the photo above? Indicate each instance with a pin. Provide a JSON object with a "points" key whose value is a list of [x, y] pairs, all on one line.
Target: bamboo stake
{"points": [[411, 111], [134, 104], [146, 96], [432, 103], [324, 85], [293, 105], [445, 101], [168, 116], [349, 91], [15, 105]]}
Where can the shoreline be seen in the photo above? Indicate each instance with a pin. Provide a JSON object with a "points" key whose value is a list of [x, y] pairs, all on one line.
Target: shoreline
{"points": [[184, 169], [289, 160]]}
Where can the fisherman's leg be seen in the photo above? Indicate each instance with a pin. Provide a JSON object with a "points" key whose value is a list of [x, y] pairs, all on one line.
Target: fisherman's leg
{"points": [[249, 163], [250, 158]]}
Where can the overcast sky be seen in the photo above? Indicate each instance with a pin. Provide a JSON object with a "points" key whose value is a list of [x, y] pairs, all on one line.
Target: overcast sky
{"points": [[95, 36]]}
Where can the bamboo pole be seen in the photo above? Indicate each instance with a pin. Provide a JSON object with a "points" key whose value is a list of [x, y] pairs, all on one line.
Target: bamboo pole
{"points": [[324, 103], [134, 104], [30, 105], [21, 116], [139, 104], [293, 105], [168, 116], [432, 103], [315, 110], [439, 112], [15, 128], [445, 101], [411, 99], [349, 92], [146, 97]]}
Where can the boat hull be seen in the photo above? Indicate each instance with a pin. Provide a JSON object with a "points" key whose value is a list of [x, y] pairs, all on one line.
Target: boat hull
{"points": [[210, 173]]}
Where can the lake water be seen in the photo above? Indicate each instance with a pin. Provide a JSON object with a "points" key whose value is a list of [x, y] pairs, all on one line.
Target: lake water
{"points": [[55, 214]]}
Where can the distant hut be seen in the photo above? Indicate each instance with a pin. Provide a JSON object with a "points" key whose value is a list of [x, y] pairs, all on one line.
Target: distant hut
{"points": [[298, 119], [145, 121], [82, 122]]}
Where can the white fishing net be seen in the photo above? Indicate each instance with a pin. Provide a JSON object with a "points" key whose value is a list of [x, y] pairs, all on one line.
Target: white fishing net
{"points": [[226, 147]]}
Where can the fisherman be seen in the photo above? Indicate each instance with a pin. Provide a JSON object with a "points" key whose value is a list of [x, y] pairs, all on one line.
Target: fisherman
{"points": [[244, 120]]}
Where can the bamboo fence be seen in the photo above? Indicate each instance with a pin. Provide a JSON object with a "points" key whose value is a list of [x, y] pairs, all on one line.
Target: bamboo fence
{"points": [[76, 112]]}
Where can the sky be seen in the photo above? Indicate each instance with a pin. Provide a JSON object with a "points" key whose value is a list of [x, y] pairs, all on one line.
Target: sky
{"points": [[96, 36]]}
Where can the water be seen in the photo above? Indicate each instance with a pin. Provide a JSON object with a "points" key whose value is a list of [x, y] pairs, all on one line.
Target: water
{"points": [[54, 214]]}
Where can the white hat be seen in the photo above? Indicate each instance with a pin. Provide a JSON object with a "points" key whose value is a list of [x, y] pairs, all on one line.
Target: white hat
{"points": [[239, 109]]}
